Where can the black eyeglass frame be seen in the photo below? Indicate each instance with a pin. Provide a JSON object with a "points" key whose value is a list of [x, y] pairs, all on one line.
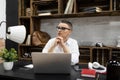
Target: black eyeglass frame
{"points": [[62, 28]]}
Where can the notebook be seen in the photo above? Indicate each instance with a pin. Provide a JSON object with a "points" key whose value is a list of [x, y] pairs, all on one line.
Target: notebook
{"points": [[51, 63]]}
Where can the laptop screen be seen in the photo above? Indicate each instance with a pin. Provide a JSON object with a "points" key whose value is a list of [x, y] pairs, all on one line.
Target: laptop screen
{"points": [[51, 62]]}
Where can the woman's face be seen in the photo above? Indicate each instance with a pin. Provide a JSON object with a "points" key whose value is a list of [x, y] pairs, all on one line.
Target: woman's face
{"points": [[35, 39], [34, 36]]}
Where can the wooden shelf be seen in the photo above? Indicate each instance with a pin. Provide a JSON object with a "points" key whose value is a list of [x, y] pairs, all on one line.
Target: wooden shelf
{"points": [[99, 54], [83, 5], [82, 14], [25, 51], [42, 7], [31, 20], [24, 17]]}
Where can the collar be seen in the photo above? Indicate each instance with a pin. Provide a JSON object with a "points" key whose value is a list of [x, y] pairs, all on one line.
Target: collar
{"points": [[68, 41]]}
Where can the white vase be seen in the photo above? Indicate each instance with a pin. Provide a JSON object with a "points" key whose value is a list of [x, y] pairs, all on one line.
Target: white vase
{"points": [[8, 65]]}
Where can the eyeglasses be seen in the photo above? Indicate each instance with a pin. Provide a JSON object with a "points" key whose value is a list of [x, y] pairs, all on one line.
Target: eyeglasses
{"points": [[62, 28]]}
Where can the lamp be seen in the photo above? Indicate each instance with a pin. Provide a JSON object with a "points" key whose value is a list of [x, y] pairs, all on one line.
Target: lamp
{"points": [[16, 33]]}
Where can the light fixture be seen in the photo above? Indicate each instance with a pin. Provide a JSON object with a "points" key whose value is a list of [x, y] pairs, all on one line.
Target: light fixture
{"points": [[16, 33], [2, 22], [2, 30]]}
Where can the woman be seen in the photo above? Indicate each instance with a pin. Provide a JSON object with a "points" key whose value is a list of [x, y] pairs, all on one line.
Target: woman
{"points": [[40, 37]]}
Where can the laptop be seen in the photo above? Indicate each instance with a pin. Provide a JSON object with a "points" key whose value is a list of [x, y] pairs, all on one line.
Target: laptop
{"points": [[52, 63]]}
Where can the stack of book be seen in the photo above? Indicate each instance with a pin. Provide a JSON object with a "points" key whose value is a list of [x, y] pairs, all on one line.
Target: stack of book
{"points": [[88, 73], [92, 9], [47, 12]]}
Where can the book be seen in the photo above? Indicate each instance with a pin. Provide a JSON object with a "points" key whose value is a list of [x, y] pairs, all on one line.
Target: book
{"points": [[92, 9], [28, 41], [116, 5], [69, 7], [53, 11], [44, 14], [88, 73], [47, 12]]}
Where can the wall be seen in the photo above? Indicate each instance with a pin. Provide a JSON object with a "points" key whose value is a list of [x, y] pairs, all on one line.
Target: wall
{"points": [[89, 30], [9, 13], [86, 29], [3, 25], [12, 20], [2, 18]]}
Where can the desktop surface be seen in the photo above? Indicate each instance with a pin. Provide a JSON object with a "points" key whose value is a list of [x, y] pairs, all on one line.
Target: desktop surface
{"points": [[19, 72]]}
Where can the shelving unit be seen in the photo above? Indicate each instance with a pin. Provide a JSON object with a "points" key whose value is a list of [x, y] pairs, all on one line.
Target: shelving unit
{"points": [[30, 16], [99, 54], [85, 54], [25, 51], [93, 5], [45, 7]]}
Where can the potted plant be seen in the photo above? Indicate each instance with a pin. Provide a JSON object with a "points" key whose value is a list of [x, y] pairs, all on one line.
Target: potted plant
{"points": [[8, 56]]}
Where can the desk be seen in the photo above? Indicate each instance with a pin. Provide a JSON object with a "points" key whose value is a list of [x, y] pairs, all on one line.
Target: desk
{"points": [[21, 73]]}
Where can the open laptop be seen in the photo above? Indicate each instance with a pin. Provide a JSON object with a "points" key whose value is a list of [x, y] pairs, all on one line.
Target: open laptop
{"points": [[52, 63]]}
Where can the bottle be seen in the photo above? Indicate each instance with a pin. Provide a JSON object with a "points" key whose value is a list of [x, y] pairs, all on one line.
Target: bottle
{"points": [[113, 70]]}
